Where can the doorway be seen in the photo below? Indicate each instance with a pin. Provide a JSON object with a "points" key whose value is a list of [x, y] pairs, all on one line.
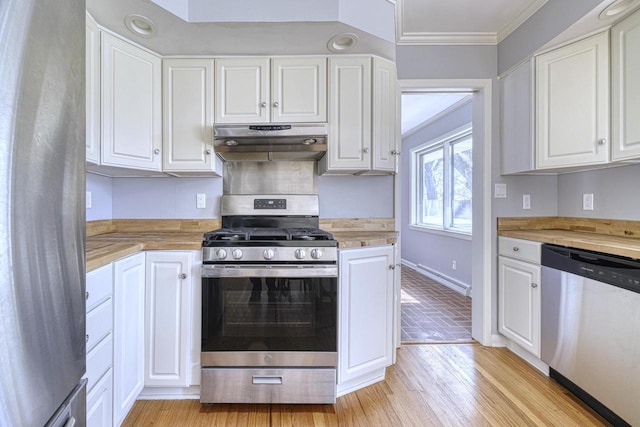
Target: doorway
{"points": [[480, 259]]}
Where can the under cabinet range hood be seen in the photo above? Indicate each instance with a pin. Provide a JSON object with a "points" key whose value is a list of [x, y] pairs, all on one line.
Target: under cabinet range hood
{"points": [[270, 142]]}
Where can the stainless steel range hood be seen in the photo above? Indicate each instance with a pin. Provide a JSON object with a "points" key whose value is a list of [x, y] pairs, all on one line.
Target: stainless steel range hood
{"points": [[270, 142]]}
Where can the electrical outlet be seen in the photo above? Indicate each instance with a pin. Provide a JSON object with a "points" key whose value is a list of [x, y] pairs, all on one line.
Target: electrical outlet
{"points": [[587, 202], [500, 191], [201, 201], [526, 201], [88, 200], [453, 264]]}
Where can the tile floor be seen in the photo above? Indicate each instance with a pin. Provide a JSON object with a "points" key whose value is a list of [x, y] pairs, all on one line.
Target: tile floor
{"points": [[432, 312]]}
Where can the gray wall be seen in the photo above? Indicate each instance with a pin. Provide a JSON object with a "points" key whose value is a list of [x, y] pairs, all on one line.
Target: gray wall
{"points": [[419, 247], [175, 198]]}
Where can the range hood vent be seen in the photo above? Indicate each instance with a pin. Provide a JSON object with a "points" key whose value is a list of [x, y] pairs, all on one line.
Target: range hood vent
{"points": [[266, 142]]}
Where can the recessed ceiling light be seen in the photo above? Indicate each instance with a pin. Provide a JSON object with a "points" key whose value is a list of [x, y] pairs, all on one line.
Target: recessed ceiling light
{"points": [[140, 25], [342, 42], [616, 8]]}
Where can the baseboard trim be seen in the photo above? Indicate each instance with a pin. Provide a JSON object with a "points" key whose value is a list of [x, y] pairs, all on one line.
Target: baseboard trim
{"points": [[528, 357], [443, 279], [170, 393]]}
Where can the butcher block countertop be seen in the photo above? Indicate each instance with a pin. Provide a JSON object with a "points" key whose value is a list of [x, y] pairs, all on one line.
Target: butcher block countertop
{"points": [[616, 237], [110, 240]]}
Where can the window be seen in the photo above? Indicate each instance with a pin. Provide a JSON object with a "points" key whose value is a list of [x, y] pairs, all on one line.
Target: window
{"points": [[441, 176]]}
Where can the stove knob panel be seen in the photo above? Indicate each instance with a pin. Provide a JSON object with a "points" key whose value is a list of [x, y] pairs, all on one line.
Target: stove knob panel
{"points": [[237, 253], [221, 253], [301, 253], [268, 254], [316, 253]]}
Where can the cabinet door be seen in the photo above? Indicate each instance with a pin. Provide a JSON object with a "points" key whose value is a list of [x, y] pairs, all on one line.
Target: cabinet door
{"points": [[100, 403], [168, 321], [128, 334], [299, 90], [385, 131], [626, 89], [92, 75], [365, 342], [131, 106], [242, 90], [519, 303], [516, 120], [188, 115], [349, 143], [572, 104]]}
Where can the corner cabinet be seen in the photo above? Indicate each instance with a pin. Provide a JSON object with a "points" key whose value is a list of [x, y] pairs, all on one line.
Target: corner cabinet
{"points": [[128, 330], [519, 292], [131, 106], [263, 90], [188, 99], [363, 117], [625, 86], [365, 316], [572, 104], [168, 319]]}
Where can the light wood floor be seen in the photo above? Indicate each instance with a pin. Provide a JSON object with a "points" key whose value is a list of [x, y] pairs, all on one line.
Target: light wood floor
{"points": [[431, 385]]}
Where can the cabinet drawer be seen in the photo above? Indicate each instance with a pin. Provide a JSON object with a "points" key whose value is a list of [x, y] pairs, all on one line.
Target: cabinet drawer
{"points": [[99, 361], [99, 323], [99, 286], [525, 250], [100, 403]]}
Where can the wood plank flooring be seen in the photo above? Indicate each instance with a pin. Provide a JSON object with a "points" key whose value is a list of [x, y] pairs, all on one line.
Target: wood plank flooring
{"points": [[430, 385]]}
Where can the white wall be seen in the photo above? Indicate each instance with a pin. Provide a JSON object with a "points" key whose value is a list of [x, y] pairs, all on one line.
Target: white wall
{"points": [[101, 190], [355, 196]]}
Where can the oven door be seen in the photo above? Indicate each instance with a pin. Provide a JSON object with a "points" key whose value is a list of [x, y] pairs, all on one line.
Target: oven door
{"points": [[265, 315]]}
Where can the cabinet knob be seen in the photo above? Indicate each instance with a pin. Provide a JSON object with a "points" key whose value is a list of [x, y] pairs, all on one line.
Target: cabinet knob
{"points": [[395, 152], [86, 295], [276, 104], [263, 104], [516, 249], [365, 150], [534, 285], [156, 151], [602, 141], [86, 338], [208, 151], [183, 276], [392, 267]]}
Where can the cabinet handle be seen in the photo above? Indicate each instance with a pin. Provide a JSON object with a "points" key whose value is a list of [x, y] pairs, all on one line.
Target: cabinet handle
{"points": [[156, 151], [263, 104], [365, 150], [208, 151], [516, 249], [183, 276], [86, 338], [86, 295], [534, 285], [602, 141], [276, 104]]}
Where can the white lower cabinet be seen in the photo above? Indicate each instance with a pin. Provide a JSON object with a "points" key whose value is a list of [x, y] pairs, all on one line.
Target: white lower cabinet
{"points": [[100, 403], [168, 319], [128, 363], [519, 293], [365, 316]]}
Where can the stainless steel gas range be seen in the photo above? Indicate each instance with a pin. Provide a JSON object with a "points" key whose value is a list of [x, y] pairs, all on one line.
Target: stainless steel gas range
{"points": [[269, 303]]}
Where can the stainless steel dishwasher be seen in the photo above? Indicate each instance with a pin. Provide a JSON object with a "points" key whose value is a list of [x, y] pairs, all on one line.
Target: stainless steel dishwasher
{"points": [[591, 329]]}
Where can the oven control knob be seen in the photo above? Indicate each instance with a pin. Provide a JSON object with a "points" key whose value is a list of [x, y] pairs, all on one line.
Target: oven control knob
{"points": [[301, 253], [268, 253], [237, 253], [316, 253], [221, 253]]}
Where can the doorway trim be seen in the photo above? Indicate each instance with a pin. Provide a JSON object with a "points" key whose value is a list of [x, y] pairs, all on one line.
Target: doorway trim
{"points": [[481, 272]]}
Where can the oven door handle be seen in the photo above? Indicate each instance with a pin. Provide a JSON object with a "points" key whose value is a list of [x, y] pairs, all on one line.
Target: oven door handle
{"points": [[267, 379], [292, 271]]}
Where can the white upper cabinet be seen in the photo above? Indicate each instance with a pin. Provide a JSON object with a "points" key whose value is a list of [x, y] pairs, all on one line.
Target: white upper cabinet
{"points": [[349, 143], [92, 90], [625, 86], [260, 90], [299, 90], [572, 104], [131, 106], [385, 116], [516, 119], [188, 116]]}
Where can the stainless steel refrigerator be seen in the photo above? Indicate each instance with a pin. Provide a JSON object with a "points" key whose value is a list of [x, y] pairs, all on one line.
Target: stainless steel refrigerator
{"points": [[42, 213]]}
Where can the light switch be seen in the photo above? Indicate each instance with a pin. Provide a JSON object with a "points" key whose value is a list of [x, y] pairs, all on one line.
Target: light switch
{"points": [[88, 200], [201, 201], [526, 201], [500, 191], [587, 202]]}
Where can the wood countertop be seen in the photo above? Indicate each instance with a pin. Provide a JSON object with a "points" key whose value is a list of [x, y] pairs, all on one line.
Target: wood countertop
{"points": [[103, 249], [606, 236]]}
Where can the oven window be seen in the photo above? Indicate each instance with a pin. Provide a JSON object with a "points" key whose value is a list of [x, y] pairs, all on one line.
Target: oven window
{"points": [[269, 314]]}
